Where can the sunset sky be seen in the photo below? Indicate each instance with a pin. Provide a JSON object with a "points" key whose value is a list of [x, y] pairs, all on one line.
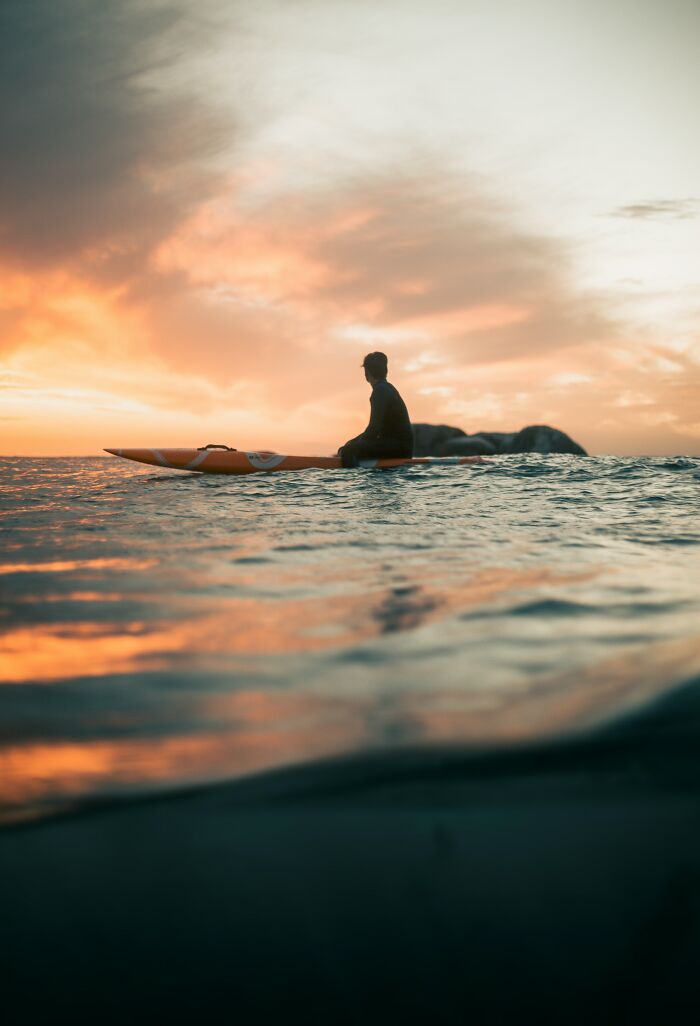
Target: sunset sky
{"points": [[209, 213]]}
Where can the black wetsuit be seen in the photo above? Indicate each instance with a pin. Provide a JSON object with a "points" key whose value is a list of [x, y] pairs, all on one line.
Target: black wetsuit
{"points": [[388, 434]]}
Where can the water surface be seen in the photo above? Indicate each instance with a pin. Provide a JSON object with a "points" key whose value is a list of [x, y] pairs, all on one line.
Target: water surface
{"points": [[160, 629]]}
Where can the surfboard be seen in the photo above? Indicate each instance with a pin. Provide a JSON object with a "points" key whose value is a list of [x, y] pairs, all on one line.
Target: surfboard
{"points": [[223, 460]]}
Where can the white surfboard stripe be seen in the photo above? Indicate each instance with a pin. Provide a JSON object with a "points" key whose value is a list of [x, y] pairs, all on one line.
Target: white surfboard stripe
{"points": [[161, 458], [199, 458]]}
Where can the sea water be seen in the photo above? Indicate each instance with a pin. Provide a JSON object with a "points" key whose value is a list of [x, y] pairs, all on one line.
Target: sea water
{"points": [[161, 629]]}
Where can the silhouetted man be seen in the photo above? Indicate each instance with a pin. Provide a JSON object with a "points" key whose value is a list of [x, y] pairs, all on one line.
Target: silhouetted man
{"points": [[388, 434]]}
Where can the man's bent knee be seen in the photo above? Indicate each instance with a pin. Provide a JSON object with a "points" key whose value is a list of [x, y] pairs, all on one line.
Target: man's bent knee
{"points": [[348, 456]]}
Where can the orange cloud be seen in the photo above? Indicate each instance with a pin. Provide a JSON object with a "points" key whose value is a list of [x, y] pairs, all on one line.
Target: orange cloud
{"points": [[248, 323]]}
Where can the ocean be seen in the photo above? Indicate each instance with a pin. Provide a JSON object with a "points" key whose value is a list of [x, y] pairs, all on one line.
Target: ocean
{"points": [[161, 630], [360, 747]]}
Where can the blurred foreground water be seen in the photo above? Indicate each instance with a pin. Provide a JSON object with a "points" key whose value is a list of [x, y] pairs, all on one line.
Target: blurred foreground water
{"points": [[160, 629]]}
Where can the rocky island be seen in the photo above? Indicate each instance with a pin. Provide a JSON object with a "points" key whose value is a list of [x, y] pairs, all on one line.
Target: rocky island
{"points": [[441, 440]]}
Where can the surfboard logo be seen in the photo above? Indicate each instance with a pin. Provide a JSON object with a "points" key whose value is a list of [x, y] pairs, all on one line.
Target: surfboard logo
{"points": [[265, 460]]}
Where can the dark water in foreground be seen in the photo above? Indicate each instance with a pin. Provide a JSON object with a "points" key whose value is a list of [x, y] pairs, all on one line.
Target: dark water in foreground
{"points": [[160, 629]]}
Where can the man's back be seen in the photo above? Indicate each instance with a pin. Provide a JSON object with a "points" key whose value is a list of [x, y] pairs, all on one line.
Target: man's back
{"points": [[389, 417]]}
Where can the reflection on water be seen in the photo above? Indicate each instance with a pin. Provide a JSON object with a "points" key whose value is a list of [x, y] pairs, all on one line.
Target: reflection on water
{"points": [[203, 629], [270, 731], [62, 566], [162, 629], [256, 730]]}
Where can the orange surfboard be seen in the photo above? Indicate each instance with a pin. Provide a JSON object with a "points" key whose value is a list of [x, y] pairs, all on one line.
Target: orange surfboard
{"points": [[222, 460]]}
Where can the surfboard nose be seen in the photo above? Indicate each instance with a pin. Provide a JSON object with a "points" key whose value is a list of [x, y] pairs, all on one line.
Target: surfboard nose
{"points": [[112, 452]]}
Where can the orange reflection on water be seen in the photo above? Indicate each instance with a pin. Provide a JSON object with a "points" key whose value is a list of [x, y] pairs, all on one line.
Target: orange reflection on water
{"points": [[52, 652], [77, 596], [66, 565], [249, 627], [271, 729], [267, 729]]}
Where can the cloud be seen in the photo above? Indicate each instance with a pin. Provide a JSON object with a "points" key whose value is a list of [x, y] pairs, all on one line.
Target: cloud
{"points": [[99, 160], [659, 210], [249, 321], [421, 267]]}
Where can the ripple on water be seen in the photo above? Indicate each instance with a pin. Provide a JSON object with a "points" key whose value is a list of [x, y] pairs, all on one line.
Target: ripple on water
{"points": [[159, 628]]}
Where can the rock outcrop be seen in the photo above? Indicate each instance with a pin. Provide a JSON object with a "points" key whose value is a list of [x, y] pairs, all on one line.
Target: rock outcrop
{"points": [[540, 438], [441, 440], [428, 438]]}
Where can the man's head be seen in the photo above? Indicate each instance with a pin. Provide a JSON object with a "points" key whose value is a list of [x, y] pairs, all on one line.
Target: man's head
{"points": [[376, 367]]}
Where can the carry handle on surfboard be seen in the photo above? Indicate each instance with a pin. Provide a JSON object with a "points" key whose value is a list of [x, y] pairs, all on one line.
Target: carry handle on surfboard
{"points": [[228, 448]]}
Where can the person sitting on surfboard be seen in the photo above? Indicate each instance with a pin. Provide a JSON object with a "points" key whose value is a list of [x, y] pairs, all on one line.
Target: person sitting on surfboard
{"points": [[388, 434]]}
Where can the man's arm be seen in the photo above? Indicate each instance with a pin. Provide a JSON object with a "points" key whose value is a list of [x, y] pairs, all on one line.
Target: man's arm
{"points": [[377, 401]]}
